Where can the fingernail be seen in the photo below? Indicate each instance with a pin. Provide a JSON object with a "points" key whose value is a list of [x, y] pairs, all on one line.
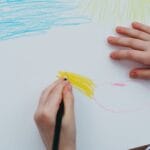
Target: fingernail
{"points": [[110, 39], [119, 29], [133, 74], [113, 55]]}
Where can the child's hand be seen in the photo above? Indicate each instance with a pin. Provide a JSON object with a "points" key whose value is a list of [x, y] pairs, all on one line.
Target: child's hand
{"points": [[138, 40], [45, 116]]}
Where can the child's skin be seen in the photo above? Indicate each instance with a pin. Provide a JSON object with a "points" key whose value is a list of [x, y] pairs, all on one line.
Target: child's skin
{"points": [[137, 38], [45, 115]]}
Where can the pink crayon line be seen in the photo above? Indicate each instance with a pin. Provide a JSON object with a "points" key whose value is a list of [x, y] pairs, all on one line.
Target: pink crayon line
{"points": [[120, 111], [119, 84]]}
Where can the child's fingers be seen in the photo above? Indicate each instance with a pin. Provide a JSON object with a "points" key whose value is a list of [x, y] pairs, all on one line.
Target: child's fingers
{"points": [[133, 55], [52, 104], [47, 111], [55, 97], [47, 91], [141, 27], [143, 73], [128, 42], [133, 33]]}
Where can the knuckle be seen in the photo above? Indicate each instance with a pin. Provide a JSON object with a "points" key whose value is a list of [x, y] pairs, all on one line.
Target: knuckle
{"points": [[42, 94], [147, 46], [146, 62], [131, 42], [43, 118], [146, 59], [119, 40], [147, 28], [130, 54], [136, 33], [127, 30], [37, 118]]}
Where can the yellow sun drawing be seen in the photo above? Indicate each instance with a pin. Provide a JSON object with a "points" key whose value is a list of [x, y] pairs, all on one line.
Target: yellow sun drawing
{"points": [[84, 84]]}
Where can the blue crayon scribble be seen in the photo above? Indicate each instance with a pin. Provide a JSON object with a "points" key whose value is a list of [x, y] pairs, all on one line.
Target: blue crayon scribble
{"points": [[25, 17]]}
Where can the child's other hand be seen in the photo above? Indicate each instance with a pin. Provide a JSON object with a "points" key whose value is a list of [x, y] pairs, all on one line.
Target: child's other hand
{"points": [[45, 115], [138, 40]]}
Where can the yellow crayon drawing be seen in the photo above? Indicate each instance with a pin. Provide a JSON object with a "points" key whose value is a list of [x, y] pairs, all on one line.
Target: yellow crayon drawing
{"points": [[138, 9], [112, 10], [82, 83]]}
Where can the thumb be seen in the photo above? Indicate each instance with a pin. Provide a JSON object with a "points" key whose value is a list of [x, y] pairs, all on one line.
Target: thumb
{"points": [[68, 99], [68, 132]]}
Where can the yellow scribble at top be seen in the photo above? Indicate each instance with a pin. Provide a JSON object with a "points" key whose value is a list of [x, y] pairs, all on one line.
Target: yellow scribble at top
{"points": [[84, 84], [118, 11]]}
